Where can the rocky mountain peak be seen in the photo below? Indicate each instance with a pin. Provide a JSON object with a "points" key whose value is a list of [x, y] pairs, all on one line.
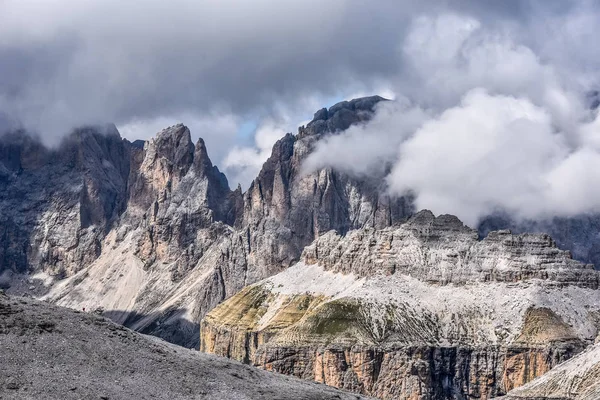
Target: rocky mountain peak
{"points": [[165, 161], [426, 223], [278, 166], [341, 115], [173, 145], [219, 198], [201, 160], [205, 168], [358, 104], [288, 208]]}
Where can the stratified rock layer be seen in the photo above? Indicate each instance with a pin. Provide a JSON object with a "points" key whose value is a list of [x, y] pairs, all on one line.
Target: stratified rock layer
{"points": [[421, 311]]}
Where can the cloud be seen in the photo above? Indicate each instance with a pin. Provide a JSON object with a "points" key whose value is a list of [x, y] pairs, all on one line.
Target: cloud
{"points": [[216, 64], [243, 163], [486, 122], [365, 150], [69, 62], [489, 152], [66, 63]]}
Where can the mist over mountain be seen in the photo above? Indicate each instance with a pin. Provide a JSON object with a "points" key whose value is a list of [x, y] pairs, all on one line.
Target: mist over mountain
{"points": [[473, 85]]}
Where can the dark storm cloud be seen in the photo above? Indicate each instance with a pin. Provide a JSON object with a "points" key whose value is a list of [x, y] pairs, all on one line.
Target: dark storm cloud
{"points": [[217, 64], [68, 62], [64, 63]]}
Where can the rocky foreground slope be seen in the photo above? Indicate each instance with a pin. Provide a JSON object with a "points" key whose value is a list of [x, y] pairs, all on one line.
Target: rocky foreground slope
{"points": [[50, 352], [420, 311]]}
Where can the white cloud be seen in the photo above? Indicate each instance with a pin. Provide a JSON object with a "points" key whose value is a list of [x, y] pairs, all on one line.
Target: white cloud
{"points": [[65, 63], [367, 149], [242, 164], [489, 152], [491, 126]]}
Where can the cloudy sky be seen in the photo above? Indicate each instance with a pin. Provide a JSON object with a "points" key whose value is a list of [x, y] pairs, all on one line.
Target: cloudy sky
{"points": [[492, 97]]}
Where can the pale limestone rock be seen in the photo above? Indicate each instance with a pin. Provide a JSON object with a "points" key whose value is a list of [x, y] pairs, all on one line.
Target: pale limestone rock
{"points": [[576, 379]]}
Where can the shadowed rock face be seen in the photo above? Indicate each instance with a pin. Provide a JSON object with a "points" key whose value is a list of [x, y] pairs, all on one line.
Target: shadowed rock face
{"points": [[58, 204]]}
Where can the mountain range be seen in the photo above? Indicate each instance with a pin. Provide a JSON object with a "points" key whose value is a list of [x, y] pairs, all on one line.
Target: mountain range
{"points": [[320, 275]]}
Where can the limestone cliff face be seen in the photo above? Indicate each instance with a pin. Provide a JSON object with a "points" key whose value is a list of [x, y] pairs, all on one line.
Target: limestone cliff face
{"points": [[576, 379], [420, 311]]}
